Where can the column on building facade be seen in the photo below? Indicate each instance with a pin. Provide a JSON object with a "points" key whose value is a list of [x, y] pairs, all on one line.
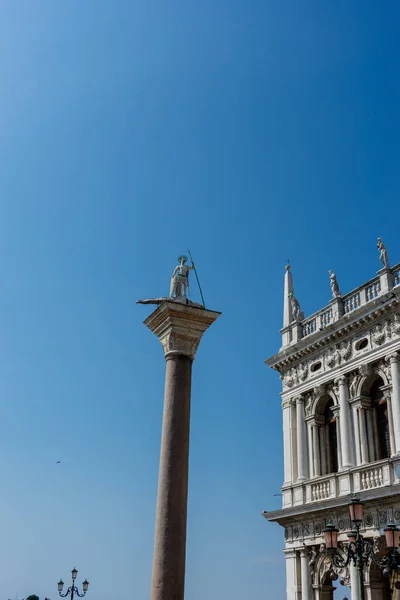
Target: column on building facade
{"points": [[287, 441], [356, 425], [306, 589], [370, 429], [293, 423], [391, 426], [354, 582], [336, 412], [292, 583], [395, 372], [310, 448], [346, 442], [363, 436], [302, 466], [316, 450]]}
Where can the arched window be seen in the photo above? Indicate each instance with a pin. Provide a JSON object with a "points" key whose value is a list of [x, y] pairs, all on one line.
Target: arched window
{"points": [[381, 420], [331, 445]]}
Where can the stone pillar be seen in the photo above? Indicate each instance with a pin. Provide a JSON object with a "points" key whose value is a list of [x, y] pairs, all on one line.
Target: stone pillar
{"points": [[356, 433], [363, 436], [354, 582], [179, 328], [310, 448], [292, 586], [306, 589], [302, 467], [316, 450], [391, 425], [346, 446], [287, 441], [394, 369]]}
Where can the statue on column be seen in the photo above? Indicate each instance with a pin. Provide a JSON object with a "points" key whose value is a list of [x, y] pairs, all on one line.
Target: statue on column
{"points": [[334, 285], [383, 255], [180, 278]]}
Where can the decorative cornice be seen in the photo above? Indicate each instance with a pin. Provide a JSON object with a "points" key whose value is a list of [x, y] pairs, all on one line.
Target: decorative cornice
{"points": [[349, 324]]}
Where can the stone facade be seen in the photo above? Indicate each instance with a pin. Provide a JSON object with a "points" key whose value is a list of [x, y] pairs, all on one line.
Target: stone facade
{"points": [[340, 372]]}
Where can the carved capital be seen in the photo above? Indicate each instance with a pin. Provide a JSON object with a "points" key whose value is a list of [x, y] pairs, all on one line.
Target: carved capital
{"points": [[299, 399], [342, 380], [180, 327], [393, 358]]}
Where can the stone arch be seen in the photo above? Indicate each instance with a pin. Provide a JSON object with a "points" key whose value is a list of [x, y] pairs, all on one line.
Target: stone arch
{"points": [[325, 574], [321, 400], [365, 382]]}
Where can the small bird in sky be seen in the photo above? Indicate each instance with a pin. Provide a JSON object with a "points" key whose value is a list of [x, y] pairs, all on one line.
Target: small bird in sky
{"points": [[58, 462]]}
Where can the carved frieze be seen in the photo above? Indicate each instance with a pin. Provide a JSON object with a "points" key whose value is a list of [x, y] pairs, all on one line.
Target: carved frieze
{"points": [[338, 354]]}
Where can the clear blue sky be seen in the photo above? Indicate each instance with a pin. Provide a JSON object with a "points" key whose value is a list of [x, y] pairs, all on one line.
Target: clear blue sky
{"points": [[249, 131]]}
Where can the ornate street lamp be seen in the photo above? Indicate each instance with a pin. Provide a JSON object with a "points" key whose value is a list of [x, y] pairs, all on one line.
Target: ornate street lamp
{"points": [[72, 590], [360, 551]]}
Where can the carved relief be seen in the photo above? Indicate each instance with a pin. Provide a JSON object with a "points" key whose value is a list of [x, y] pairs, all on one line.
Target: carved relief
{"points": [[302, 370], [395, 325], [345, 350], [378, 335], [340, 353]]}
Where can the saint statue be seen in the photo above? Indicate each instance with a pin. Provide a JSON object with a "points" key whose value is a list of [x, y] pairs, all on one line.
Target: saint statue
{"points": [[297, 313], [334, 285], [383, 255], [180, 278]]}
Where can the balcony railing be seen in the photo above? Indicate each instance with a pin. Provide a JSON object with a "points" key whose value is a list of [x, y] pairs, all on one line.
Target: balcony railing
{"points": [[335, 485], [348, 303]]}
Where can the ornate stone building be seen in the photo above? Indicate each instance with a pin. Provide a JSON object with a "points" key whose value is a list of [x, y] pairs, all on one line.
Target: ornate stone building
{"points": [[340, 375]]}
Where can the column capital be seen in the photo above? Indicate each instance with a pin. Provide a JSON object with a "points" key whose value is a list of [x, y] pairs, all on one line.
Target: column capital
{"points": [[299, 399], [342, 380], [289, 553], [180, 327], [393, 358], [305, 552]]}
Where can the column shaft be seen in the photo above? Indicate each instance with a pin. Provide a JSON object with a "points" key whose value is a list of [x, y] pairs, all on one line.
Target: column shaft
{"points": [[310, 449], [394, 367], [357, 434], [301, 440], [292, 587], [345, 424], [168, 578], [306, 589], [316, 451], [391, 427], [287, 444], [363, 436]]}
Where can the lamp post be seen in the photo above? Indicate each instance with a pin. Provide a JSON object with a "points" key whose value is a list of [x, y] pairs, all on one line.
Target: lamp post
{"points": [[72, 590], [361, 551]]}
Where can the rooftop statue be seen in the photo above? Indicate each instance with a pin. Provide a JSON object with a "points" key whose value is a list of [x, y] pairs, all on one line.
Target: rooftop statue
{"points": [[297, 313], [383, 255], [334, 285]]}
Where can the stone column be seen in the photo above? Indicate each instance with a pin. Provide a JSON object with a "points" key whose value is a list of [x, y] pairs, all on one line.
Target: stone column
{"points": [[354, 582], [356, 433], [345, 424], [394, 369], [287, 441], [292, 586], [316, 450], [391, 426], [179, 328], [363, 436], [310, 448], [302, 467], [306, 589]]}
